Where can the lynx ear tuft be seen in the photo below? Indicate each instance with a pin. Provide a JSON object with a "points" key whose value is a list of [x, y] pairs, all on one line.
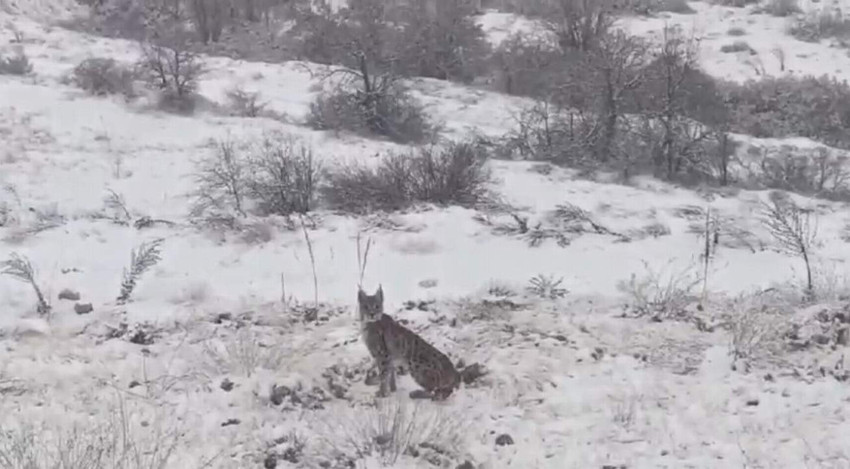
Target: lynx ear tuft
{"points": [[380, 293]]}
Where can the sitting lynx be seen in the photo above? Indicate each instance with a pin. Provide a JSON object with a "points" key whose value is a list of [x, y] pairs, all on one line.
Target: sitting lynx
{"points": [[392, 344]]}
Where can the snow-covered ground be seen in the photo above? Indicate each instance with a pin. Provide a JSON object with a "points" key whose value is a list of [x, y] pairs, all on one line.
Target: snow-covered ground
{"points": [[207, 337]]}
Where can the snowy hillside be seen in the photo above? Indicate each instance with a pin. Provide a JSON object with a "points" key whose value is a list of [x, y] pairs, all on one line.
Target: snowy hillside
{"points": [[606, 339]]}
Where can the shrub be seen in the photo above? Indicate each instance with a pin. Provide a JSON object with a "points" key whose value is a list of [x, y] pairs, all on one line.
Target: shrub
{"points": [[735, 3], [445, 44], [813, 107], [821, 25], [525, 65], [781, 8], [244, 103], [208, 17], [386, 433], [794, 229], [388, 110], [174, 70], [221, 180], [17, 64], [284, 176], [817, 172], [674, 6], [456, 174], [102, 76], [142, 259], [737, 46], [579, 24], [661, 294], [20, 268]]}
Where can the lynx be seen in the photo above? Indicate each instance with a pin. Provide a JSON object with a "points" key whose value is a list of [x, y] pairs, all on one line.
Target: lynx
{"points": [[392, 344]]}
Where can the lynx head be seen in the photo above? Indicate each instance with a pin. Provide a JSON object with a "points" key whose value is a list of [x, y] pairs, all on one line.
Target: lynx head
{"points": [[370, 307]]}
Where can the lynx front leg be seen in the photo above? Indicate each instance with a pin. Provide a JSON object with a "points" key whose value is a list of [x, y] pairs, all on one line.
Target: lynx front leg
{"points": [[387, 378], [392, 373]]}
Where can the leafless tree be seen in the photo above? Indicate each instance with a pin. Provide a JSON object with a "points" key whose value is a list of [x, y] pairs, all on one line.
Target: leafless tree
{"points": [[794, 228]]}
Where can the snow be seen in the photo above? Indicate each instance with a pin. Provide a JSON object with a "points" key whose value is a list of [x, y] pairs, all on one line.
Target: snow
{"points": [[572, 382]]}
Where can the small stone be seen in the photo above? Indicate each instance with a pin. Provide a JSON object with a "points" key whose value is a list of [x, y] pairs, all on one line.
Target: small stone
{"points": [[820, 339], [83, 308], [465, 465], [504, 440], [270, 462], [752, 402], [134, 383], [279, 393], [428, 283], [222, 317], [843, 336], [598, 353], [227, 385], [472, 373], [420, 394], [67, 294], [140, 337], [230, 422]]}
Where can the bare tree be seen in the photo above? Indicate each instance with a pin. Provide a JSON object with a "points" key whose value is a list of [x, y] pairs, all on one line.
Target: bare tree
{"points": [[617, 67], [441, 40], [221, 180], [578, 24], [208, 16], [679, 104], [794, 228], [169, 65], [369, 94]]}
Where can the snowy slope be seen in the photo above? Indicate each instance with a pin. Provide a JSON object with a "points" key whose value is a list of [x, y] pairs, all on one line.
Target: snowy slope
{"points": [[572, 382]]}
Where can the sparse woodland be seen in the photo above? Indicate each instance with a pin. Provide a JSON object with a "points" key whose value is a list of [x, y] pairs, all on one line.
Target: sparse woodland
{"points": [[631, 187]]}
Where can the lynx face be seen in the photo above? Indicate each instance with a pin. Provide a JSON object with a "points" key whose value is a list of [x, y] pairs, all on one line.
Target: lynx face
{"points": [[370, 307]]}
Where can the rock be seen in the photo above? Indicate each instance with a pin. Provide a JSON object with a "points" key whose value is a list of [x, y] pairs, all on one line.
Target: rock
{"points": [[226, 385], [292, 454], [222, 317], [230, 422], [504, 440], [83, 308], [67, 294], [843, 336], [820, 339], [141, 337], [465, 465], [752, 402], [472, 373], [279, 393], [420, 394], [428, 283], [270, 462], [598, 353], [134, 384]]}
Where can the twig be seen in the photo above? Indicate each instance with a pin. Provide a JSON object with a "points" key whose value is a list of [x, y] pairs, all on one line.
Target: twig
{"points": [[363, 259], [707, 254], [312, 262], [20, 268]]}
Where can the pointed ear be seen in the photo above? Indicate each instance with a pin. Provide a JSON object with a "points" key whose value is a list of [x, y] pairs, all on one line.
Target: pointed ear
{"points": [[361, 295], [380, 293]]}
